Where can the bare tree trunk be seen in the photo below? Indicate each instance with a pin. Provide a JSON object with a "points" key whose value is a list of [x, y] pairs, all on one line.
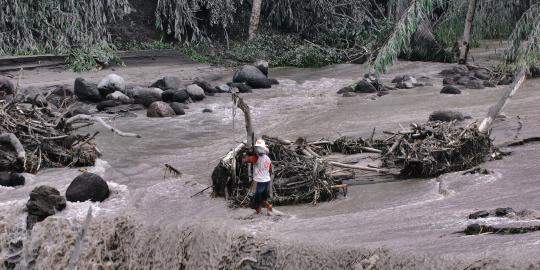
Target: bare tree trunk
{"points": [[465, 46], [495, 110], [84, 117], [238, 101], [255, 18]]}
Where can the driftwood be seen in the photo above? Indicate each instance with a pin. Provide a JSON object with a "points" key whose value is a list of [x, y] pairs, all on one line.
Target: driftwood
{"points": [[74, 258], [84, 117], [14, 141]]}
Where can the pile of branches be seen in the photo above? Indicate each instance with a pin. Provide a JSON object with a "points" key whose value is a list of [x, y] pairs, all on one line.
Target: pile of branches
{"points": [[300, 176], [32, 137], [436, 148]]}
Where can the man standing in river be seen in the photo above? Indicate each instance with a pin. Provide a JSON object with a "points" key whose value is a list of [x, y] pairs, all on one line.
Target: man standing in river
{"points": [[262, 169]]}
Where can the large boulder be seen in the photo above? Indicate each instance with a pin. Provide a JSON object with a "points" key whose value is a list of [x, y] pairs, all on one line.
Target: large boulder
{"points": [[252, 76], [262, 65], [87, 186], [364, 86], [8, 179], [160, 109], [6, 86], [168, 83], [120, 97], [44, 201], [178, 108], [175, 95], [450, 89], [146, 96], [446, 116], [87, 91], [111, 84], [195, 92]]}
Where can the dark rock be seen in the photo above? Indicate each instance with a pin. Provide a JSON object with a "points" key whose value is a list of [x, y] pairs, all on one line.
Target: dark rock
{"points": [[175, 96], [87, 186], [160, 109], [370, 77], [463, 80], [345, 89], [111, 84], [446, 116], [482, 74], [178, 108], [479, 214], [206, 86], [405, 85], [44, 201], [262, 65], [473, 229], [403, 78], [107, 104], [195, 92], [489, 84], [87, 91], [534, 72], [120, 97], [501, 212], [364, 87], [456, 70], [224, 88], [273, 81], [252, 76], [8, 179], [168, 83], [475, 84], [242, 88], [146, 96], [6, 86], [450, 89], [207, 111]]}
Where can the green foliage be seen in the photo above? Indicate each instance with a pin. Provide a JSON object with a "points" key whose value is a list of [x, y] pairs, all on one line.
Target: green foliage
{"points": [[91, 59], [54, 26]]}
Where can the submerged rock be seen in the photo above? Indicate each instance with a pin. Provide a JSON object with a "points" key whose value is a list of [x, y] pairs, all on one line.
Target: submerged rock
{"points": [[207, 110], [8, 179], [168, 83], [345, 89], [107, 104], [501, 212], [364, 87], [474, 83], [87, 186], [482, 73], [175, 96], [120, 97], [160, 109], [273, 81], [479, 214], [44, 201], [111, 84], [146, 96], [223, 88], [87, 91], [446, 116], [6, 86], [450, 89]]}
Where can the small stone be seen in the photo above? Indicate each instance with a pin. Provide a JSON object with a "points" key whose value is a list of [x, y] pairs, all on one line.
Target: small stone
{"points": [[501, 212], [160, 109], [364, 87], [207, 111], [450, 89], [195, 92], [178, 108], [446, 116], [479, 214]]}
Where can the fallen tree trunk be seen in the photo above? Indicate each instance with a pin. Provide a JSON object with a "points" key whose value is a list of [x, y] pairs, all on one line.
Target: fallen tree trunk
{"points": [[84, 117], [495, 110]]}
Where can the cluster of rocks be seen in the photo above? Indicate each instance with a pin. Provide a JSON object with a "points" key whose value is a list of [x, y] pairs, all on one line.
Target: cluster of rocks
{"points": [[46, 201], [470, 77], [447, 116], [11, 179], [370, 84], [499, 212], [167, 96]]}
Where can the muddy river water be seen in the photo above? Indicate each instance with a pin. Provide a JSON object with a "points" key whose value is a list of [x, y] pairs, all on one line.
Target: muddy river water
{"points": [[408, 224]]}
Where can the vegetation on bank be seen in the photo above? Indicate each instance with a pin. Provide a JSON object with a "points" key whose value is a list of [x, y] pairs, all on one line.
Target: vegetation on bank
{"points": [[310, 33]]}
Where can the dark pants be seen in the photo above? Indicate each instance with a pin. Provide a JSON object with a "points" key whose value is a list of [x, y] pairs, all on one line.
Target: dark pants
{"points": [[262, 193]]}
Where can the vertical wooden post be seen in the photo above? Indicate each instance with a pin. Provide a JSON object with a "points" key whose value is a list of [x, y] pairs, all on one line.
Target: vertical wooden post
{"points": [[467, 32]]}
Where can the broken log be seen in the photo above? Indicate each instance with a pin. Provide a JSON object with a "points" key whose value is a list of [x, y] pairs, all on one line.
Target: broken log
{"points": [[355, 167], [14, 141], [84, 117]]}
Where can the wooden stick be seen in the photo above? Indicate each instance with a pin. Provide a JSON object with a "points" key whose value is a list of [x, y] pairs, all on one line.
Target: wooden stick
{"points": [[247, 115], [395, 145], [74, 258], [80, 117], [369, 149], [355, 167], [495, 110]]}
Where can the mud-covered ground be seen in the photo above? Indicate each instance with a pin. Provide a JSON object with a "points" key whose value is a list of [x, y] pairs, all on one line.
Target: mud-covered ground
{"points": [[412, 224]]}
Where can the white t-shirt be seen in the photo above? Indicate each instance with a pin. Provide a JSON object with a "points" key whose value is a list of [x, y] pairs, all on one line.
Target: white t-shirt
{"points": [[261, 169]]}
